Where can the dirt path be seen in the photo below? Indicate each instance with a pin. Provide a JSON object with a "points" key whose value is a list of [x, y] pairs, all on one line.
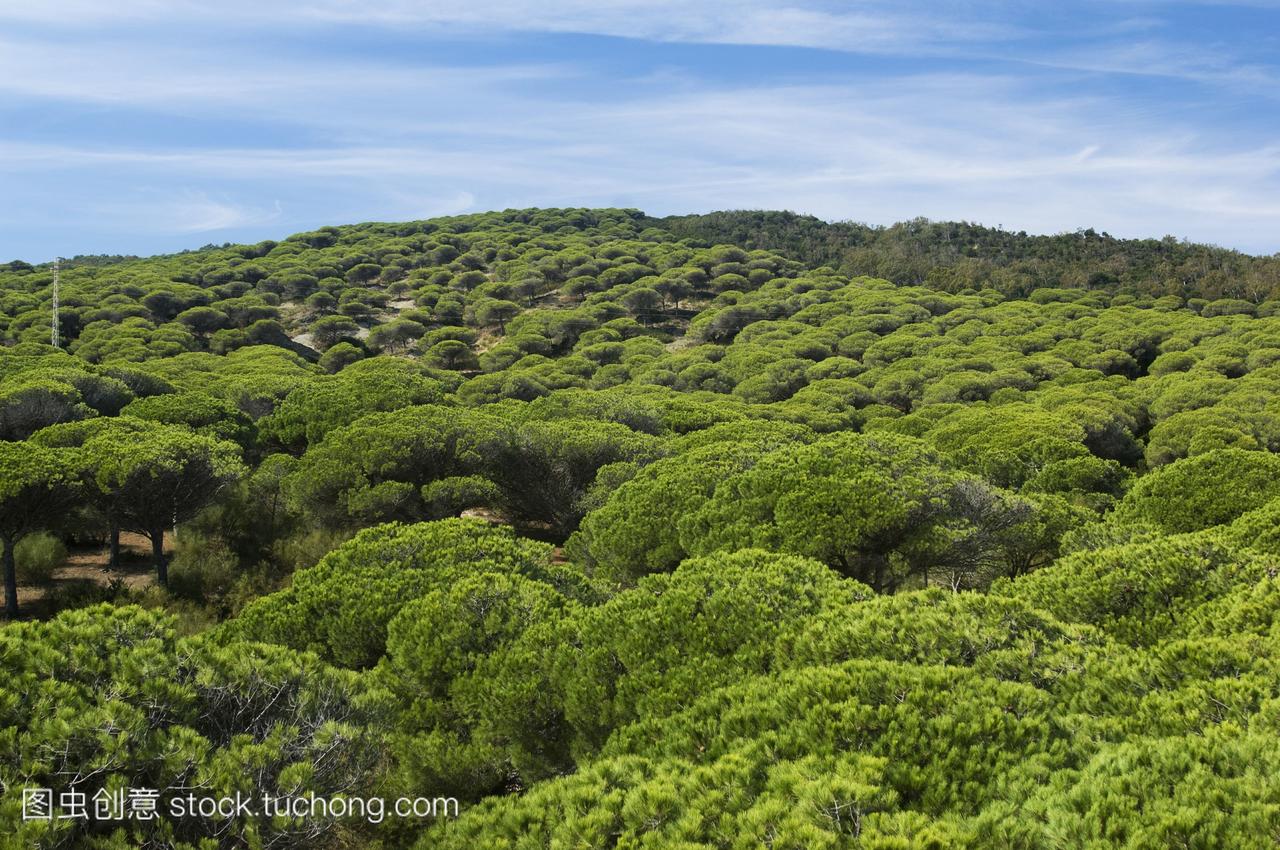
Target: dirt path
{"points": [[89, 566]]}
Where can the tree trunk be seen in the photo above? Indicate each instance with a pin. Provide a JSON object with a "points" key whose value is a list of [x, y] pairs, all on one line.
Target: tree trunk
{"points": [[157, 556], [113, 552], [10, 580]]}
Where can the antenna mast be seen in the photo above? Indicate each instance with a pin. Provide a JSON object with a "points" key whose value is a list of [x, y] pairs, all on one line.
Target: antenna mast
{"points": [[53, 331]]}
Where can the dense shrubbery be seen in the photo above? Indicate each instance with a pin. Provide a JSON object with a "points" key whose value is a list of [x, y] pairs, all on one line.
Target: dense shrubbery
{"points": [[109, 698], [950, 255], [624, 536]]}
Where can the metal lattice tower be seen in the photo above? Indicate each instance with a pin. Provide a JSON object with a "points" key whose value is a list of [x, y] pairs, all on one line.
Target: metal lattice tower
{"points": [[53, 329]]}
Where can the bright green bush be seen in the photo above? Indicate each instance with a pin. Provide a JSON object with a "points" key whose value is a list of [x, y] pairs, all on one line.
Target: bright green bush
{"points": [[700, 443], [716, 618], [115, 688], [1204, 491], [341, 607]]}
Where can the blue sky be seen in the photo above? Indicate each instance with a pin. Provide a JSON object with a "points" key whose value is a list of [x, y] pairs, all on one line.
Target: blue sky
{"points": [[146, 126]]}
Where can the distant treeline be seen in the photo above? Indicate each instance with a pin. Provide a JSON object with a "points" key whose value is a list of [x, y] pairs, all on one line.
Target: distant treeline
{"points": [[956, 255]]}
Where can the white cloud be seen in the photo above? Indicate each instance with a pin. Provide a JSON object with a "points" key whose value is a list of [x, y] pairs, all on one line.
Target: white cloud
{"points": [[863, 25], [1103, 41], [945, 146], [358, 135], [235, 81], [196, 212], [90, 12], [186, 211], [1153, 58]]}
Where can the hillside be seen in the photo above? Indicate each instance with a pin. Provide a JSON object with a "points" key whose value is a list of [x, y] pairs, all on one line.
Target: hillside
{"points": [[726, 531], [953, 256]]}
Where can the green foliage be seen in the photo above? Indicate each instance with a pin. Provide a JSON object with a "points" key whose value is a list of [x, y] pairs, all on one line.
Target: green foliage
{"points": [[201, 413], [633, 534], [1258, 529], [38, 487], [1017, 445], [313, 410], [468, 728], [329, 331], [109, 697], [1136, 591], [202, 569], [773, 553], [32, 403], [37, 556], [158, 476], [878, 508], [448, 497], [395, 336], [149, 480], [957, 255], [339, 357], [1204, 491], [340, 608], [649, 649], [1180, 800], [388, 466]]}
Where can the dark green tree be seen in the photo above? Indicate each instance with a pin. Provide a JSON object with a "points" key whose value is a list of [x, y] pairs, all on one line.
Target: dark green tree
{"points": [[158, 478], [38, 486]]}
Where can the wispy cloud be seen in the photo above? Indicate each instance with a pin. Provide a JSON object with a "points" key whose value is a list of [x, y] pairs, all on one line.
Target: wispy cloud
{"points": [[196, 212], [119, 72], [856, 25], [186, 211], [998, 28], [1161, 59], [115, 122], [860, 26], [908, 146]]}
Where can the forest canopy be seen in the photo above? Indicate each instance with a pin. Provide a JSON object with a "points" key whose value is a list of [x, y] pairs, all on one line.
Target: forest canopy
{"points": [[728, 531]]}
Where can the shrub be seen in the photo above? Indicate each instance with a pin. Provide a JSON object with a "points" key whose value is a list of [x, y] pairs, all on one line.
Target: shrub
{"points": [[306, 548], [203, 568], [1203, 491], [37, 556]]}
